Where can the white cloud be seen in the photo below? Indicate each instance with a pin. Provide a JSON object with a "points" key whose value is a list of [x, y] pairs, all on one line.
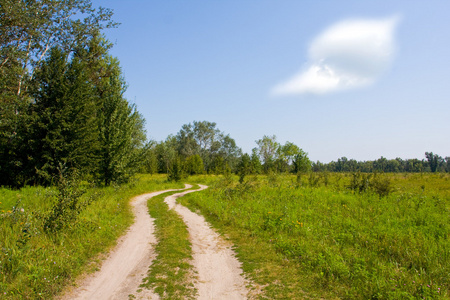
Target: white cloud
{"points": [[347, 55]]}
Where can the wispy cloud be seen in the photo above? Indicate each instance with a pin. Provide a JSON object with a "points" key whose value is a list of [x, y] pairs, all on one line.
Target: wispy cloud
{"points": [[347, 55]]}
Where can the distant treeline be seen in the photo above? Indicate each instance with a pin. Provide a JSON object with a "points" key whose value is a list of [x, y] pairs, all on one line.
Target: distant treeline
{"points": [[431, 163], [200, 148]]}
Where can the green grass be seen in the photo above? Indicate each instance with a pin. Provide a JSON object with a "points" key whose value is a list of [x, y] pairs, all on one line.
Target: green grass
{"points": [[316, 241], [171, 274], [313, 239], [39, 265]]}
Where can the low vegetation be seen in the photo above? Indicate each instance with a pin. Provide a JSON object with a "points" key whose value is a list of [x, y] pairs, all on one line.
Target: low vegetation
{"points": [[329, 238], [44, 245]]}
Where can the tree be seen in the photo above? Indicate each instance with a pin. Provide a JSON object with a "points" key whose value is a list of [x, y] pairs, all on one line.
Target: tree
{"points": [[286, 154], [194, 165], [121, 130], [149, 162], [244, 167], [175, 172], [28, 32], [255, 163], [204, 139], [187, 144], [302, 164], [166, 152], [64, 127], [434, 161], [267, 151], [229, 150], [31, 28]]}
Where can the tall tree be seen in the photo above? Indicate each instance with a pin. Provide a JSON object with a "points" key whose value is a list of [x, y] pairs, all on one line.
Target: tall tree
{"points": [[255, 162], [267, 151], [121, 129], [434, 161], [64, 130], [244, 167], [28, 30], [302, 164], [31, 28], [213, 146], [166, 152]]}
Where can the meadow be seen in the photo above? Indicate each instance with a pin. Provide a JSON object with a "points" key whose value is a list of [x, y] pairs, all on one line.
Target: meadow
{"points": [[336, 236], [43, 250], [318, 236]]}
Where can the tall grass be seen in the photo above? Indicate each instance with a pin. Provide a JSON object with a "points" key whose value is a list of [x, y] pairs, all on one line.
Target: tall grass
{"points": [[38, 264], [334, 241]]}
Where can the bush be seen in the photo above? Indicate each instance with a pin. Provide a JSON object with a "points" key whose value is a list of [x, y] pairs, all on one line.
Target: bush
{"points": [[68, 205]]}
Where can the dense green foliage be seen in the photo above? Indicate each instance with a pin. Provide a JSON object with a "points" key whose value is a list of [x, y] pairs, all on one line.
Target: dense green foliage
{"points": [[335, 239], [196, 149], [37, 263], [61, 96]]}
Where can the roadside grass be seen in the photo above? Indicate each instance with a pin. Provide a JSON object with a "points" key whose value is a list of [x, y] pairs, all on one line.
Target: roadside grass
{"points": [[35, 264], [171, 274], [300, 241]]}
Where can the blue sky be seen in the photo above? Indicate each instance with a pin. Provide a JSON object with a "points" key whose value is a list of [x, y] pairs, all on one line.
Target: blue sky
{"points": [[360, 79]]}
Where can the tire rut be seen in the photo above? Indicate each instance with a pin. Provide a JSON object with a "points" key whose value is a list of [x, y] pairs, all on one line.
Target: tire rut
{"points": [[219, 271]]}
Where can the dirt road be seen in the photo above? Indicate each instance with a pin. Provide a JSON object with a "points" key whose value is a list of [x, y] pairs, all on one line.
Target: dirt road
{"points": [[219, 273], [122, 272]]}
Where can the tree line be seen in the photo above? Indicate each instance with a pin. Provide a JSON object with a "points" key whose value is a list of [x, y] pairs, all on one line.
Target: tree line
{"points": [[431, 163], [201, 148]]}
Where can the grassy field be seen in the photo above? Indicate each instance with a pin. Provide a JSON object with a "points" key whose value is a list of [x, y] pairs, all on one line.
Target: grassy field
{"points": [[321, 236], [36, 263], [346, 236]]}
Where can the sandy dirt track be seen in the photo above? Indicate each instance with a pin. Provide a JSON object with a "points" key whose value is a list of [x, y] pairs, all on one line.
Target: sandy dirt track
{"points": [[127, 264], [218, 270]]}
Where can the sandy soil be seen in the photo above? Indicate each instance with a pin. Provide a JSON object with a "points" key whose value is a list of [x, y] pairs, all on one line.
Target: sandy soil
{"points": [[219, 271], [127, 264]]}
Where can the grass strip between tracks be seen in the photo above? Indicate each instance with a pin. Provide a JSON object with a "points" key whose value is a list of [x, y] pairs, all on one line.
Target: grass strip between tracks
{"points": [[171, 273]]}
